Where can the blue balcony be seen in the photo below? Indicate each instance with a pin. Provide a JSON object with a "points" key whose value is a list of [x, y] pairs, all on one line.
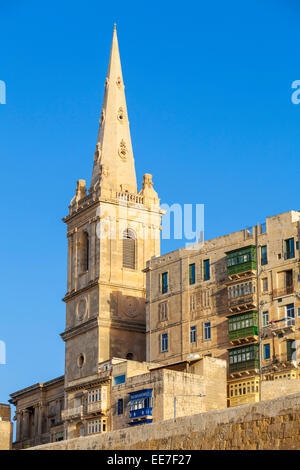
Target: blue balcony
{"points": [[140, 407], [142, 412]]}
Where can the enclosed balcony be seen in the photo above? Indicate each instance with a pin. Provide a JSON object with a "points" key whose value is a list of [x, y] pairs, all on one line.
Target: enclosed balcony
{"points": [[241, 261], [242, 296], [243, 328], [244, 360], [140, 407]]}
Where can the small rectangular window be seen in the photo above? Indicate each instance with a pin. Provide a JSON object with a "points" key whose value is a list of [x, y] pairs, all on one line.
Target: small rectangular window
{"points": [[120, 406], [119, 379], [192, 274], [207, 330], [267, 351], [289, 248], [193, 334], [164, 283], [290, 311], [290, 349], [264, 255], [265, 318], [265, 284], [164, 342], [206, 270]]}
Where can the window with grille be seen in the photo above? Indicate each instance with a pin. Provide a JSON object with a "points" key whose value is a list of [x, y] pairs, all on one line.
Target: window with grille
{"points": [[129, 249]]}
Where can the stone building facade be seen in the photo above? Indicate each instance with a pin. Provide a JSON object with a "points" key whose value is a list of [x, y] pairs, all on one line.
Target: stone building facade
{"points": [[186, 388], [220, 298], [38, 413], [129, 393], [6, 427]]}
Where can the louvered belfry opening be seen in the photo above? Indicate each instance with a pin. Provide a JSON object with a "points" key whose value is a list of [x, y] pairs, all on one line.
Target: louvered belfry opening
{"points": [[84, 252], [129, 243]]}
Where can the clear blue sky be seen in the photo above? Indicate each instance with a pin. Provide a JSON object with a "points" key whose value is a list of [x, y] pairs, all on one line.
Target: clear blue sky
{"points": [[208, 88]]}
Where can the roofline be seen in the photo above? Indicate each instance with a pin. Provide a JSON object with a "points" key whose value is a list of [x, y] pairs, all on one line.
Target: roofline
{"points": [[187, 361], [38, 385], [183, 249]]}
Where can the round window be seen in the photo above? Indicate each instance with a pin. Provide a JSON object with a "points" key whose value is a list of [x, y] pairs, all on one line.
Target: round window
{"points": [[80, 360]]}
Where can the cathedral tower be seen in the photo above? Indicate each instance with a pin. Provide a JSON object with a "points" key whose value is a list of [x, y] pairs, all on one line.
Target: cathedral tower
{"points": [[112, 231]]}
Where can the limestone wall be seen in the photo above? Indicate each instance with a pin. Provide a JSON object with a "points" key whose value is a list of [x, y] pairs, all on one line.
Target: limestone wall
{"points": [[5, 435], [6, 427], [278, 388], [270, 424]]}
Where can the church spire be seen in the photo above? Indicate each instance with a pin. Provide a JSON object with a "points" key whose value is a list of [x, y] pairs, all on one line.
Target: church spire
{"points": [[114, 163]]}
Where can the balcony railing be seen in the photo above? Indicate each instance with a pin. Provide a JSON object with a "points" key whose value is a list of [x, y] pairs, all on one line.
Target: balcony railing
{"points": [[242, 366], [130, 197], [287, 290], [249, 331], [96, 407], [72, 413], [241, 267], [104, 374], [140, 413], [281, 326]]}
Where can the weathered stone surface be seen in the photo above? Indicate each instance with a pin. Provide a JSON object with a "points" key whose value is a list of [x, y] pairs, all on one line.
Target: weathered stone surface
{"points": [[264, 425], [6, 427]]}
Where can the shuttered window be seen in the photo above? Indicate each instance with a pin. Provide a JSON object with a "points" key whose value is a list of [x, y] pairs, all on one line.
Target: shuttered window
{"points": [[129, 249]]}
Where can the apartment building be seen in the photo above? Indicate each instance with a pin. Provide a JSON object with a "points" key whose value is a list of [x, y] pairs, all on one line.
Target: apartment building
{"points": [[235, 297]]}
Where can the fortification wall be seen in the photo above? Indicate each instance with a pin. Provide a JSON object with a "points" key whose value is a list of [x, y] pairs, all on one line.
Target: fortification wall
{"points": [[270, 424]]}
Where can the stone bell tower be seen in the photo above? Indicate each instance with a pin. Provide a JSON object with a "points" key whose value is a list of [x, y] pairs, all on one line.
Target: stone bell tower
{"points": [[112, 231]]}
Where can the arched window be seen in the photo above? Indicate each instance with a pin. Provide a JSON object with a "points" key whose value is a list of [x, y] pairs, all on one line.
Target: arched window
{"points": [[84, 252], [129, 248]]}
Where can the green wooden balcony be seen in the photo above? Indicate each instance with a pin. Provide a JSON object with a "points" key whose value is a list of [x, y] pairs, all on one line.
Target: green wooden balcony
{"points": [[243, 333], [241, 260], [243, 366], [244, 358]]}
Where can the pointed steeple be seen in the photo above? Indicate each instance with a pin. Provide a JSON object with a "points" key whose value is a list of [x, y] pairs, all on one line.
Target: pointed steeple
{"points": [[113, 162]]}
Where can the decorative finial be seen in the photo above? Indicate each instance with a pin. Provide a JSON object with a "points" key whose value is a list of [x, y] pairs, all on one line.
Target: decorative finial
{"points": [[115, 26]]}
